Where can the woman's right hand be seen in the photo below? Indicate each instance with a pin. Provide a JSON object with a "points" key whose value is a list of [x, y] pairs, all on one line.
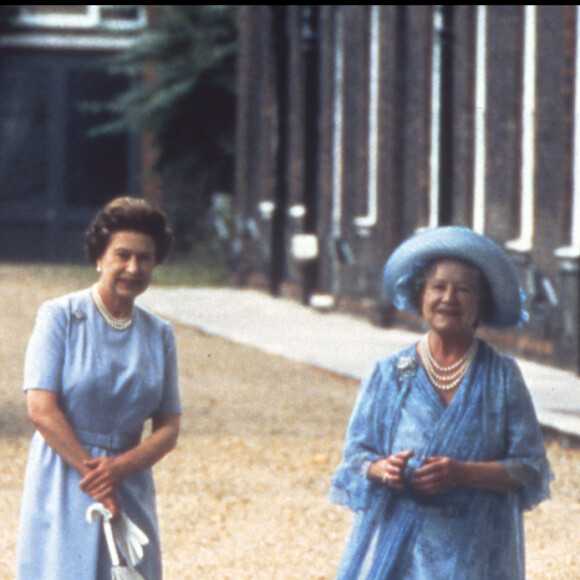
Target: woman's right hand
{"points": [[113, 504], [47, 416], [390, 470]]}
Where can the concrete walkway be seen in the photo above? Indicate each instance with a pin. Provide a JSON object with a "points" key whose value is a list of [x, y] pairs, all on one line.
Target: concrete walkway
{"points": [[337, 342]]}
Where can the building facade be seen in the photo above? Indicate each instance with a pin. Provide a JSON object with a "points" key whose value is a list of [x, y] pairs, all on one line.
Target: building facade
{"points": [[359, 125], [53, 174]]}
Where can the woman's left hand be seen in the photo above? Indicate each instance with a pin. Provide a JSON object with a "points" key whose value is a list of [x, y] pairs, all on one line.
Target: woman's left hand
{"points": [[438, 474], [104, 477]]}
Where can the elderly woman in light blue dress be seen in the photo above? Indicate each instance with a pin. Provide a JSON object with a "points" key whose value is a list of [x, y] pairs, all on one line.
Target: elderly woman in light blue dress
{"points": [[97, 368], [443, 451]]}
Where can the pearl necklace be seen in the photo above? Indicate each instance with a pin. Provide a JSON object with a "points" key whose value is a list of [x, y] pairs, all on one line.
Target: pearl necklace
{"points": [[452, 367], [447, 382], [116, 323]]}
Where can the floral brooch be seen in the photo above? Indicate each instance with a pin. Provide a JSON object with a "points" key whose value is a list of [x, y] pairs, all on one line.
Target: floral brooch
{"points": [[79, 315], [407, 366]]}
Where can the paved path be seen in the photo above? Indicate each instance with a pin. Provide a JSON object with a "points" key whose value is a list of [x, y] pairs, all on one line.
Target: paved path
{"points": [[337, 342]]}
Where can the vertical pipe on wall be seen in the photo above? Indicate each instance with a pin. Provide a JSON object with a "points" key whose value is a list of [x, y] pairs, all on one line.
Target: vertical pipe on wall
{"points": [[337, 137], [370, 219], [480, 116], [310, 38], [281, 55], [435, 152], [525, 241], [337, 127]]}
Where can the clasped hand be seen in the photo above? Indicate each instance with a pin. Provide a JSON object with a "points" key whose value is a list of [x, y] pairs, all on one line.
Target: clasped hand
{"points": [[436, 474], [102, 480]]}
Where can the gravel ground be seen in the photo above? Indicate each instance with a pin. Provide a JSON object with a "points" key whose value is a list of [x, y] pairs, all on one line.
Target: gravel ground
{"points": [[242, 497]]}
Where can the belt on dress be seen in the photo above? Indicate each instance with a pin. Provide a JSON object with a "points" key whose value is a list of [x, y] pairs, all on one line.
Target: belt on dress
{"points": [[109, 441]]}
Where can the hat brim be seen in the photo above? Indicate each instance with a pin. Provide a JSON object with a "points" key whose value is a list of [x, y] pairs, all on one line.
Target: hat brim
{"points": [[457, 243]]}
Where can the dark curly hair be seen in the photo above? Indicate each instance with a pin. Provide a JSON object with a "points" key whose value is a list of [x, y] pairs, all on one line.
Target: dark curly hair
{"points": [[128, 214]]}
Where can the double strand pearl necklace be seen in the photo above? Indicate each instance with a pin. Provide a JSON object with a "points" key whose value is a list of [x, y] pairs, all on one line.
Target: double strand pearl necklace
{"points": [[116, 323], [448, 381]]}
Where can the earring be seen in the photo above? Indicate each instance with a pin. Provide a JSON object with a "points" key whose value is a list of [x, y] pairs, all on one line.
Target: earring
{"points": [[99, 269]]}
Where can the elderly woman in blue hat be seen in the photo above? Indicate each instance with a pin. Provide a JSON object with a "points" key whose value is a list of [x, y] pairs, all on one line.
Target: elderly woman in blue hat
{"points": [[443, 451]]}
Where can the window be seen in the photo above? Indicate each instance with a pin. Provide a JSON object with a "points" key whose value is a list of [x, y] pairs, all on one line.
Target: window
{"points": [[112, 16], [97, 168]]}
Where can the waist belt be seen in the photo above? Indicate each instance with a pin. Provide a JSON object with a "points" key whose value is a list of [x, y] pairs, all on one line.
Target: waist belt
{"points": [[109, 441]]}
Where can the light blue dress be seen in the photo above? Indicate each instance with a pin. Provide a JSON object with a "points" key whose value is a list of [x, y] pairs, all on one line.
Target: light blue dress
{"points": [[109, 383], [462, 533]]}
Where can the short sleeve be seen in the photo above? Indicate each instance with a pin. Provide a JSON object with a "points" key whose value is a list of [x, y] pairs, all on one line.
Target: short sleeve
{"points": [[45, 354], [170, 401]]}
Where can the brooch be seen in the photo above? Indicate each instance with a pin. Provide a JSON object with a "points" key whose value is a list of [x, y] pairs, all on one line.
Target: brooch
{"points": [[79, 315], [407, 366]]}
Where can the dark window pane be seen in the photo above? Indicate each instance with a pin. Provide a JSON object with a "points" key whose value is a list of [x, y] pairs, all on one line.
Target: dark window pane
{"points": [[97, 168], [23, 134]]}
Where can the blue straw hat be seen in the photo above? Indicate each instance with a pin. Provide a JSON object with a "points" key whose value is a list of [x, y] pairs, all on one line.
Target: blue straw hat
{"points": [[456, 243]]}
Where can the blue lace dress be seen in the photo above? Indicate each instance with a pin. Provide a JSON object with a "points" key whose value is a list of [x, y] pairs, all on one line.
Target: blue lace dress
{"points": [[401, 535], [109, 383]]}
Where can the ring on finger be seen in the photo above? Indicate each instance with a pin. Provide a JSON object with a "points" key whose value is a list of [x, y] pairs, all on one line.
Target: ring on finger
{"points": [[385, 480]]}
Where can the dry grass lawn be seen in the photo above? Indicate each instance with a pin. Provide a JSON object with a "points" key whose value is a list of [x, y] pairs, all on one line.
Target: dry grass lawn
{"points": [[243, 495]]}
